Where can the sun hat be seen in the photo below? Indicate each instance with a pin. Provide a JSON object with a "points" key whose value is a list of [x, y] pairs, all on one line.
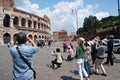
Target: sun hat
{"points": [[69, 47], [81, 39]]}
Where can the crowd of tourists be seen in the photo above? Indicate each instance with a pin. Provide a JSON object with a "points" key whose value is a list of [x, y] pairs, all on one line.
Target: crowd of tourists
{"points": [[88, 55]]}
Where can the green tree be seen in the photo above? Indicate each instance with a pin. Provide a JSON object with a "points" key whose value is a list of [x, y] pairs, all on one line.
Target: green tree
{"points": [[110, 21], [90, 23]]}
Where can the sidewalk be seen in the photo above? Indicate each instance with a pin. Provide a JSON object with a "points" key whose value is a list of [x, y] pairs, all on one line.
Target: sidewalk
{"points": [[42, 65]]}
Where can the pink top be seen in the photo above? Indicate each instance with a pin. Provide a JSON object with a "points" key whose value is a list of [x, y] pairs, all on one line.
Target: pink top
{"points": [[71, 52]]}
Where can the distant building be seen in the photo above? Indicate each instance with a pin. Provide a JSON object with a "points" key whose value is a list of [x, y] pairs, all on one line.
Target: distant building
{"points": [[55, 35], [13, 20], [60, 35], [72, 34], [71, 37]]}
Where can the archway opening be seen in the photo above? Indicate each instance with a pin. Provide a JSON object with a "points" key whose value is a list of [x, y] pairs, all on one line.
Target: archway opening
{"points": [[6, 20], [6, 38], [29, 23], [30, 36], [14, 38], [23, 22], [15, 21], [35, 38]]}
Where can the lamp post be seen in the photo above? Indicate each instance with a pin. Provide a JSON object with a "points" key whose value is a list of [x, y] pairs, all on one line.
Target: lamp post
{"points": [[75, 11], [119, 12]]}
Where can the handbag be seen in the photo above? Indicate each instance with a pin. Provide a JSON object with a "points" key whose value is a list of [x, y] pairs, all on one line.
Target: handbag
{"points": [[27, 63]]}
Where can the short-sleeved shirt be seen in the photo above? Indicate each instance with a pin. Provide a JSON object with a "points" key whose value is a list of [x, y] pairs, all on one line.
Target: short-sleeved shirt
{"points": [[79, 52], [21, 71]]}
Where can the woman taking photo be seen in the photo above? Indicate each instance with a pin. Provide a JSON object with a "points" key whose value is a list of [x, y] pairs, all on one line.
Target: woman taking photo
{"points": [[80, 59]]}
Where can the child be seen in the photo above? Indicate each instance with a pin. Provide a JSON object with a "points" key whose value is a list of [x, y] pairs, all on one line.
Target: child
{"points": [[58, 60], [71, 54]]}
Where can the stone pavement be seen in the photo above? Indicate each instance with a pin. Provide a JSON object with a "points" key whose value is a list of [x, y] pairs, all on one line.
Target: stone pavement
{"points": [[42, 65]]}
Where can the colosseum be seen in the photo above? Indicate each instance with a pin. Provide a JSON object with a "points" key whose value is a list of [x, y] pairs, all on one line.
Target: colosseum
{"points": [[13, 20]]}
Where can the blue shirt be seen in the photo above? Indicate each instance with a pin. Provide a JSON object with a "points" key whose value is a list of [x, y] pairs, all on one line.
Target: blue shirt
{"points": [[21, 71]]}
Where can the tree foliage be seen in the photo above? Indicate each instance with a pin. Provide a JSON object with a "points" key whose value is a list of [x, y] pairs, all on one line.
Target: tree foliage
{"points": [[92, 22]]}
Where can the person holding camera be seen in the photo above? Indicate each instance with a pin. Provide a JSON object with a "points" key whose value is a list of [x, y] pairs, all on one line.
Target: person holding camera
{"points": [[79, 56], [21, 70]]}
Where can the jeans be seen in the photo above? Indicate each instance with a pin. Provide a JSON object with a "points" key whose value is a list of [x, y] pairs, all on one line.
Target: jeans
{"points": [[98, 63], [81, 69], [87, 68]]}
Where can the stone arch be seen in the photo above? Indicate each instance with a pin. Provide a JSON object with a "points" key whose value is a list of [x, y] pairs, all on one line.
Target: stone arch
{"points": [[42, 26], [30, 36], [6, 20], [29, 23], [42, 37], [45, 37], [35, 24], [6, 38], [16, 21], [38, 25], [35, 37], [14, 38], [23, 21], [39, 37]]}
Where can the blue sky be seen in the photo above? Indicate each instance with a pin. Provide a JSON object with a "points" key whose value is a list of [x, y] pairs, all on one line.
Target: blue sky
{"points": [[60, 11], [110, 6]]}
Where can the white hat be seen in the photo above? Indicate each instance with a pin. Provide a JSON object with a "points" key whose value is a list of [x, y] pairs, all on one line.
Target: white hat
{"points": [[89, 43], [69, 46], [81, 39]]}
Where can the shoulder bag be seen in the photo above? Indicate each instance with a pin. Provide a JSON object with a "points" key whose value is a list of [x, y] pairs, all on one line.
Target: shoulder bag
{"points": [[27, 63]]}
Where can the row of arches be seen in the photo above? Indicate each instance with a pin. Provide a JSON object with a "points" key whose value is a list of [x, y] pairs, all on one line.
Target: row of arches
{"points": [[7, 37], [23, 22]]}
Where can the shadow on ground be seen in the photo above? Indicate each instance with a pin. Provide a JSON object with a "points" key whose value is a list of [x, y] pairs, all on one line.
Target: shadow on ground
{"points": [[49, 65], [68, 78], [116, 60], [74, 72]]}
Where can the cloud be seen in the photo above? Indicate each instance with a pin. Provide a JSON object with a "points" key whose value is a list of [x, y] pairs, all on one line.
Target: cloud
{"points": [[61, 16], [101, 15]]}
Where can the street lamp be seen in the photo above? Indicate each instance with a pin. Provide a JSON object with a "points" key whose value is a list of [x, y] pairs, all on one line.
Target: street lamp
{"points": [[119, 12], [74, 11]]}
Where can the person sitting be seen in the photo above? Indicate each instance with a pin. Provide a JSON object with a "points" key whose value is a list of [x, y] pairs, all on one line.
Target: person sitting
{"points": [[71, 53], [56, 63]]}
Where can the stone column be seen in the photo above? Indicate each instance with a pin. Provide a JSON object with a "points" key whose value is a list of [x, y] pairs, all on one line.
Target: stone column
{"points": [[40, 26], [11, 40], [19, 22], [26, 23], [1, 39], [36, 25], [32, 24], [11, 22], [1, 20]]}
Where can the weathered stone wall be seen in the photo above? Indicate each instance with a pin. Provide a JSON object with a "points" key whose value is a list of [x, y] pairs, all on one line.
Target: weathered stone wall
{"points": [[112, 31], [13, 20]]}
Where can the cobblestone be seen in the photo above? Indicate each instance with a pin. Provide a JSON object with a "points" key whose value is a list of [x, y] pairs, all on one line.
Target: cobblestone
{"points": [[42, 65]]}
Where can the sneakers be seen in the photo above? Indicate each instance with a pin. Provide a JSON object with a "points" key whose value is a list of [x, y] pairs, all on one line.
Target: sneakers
{"points": [[105, 63], [104, 74]]}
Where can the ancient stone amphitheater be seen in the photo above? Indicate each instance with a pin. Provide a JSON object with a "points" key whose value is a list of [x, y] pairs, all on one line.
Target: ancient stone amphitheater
{"points": [[13, 20]]}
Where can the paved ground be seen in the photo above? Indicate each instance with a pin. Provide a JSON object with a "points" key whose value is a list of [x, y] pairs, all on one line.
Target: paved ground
{"points": [[42, 64]]}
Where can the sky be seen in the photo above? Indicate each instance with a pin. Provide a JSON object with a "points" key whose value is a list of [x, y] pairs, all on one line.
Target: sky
{"points": [[62, 13]]}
